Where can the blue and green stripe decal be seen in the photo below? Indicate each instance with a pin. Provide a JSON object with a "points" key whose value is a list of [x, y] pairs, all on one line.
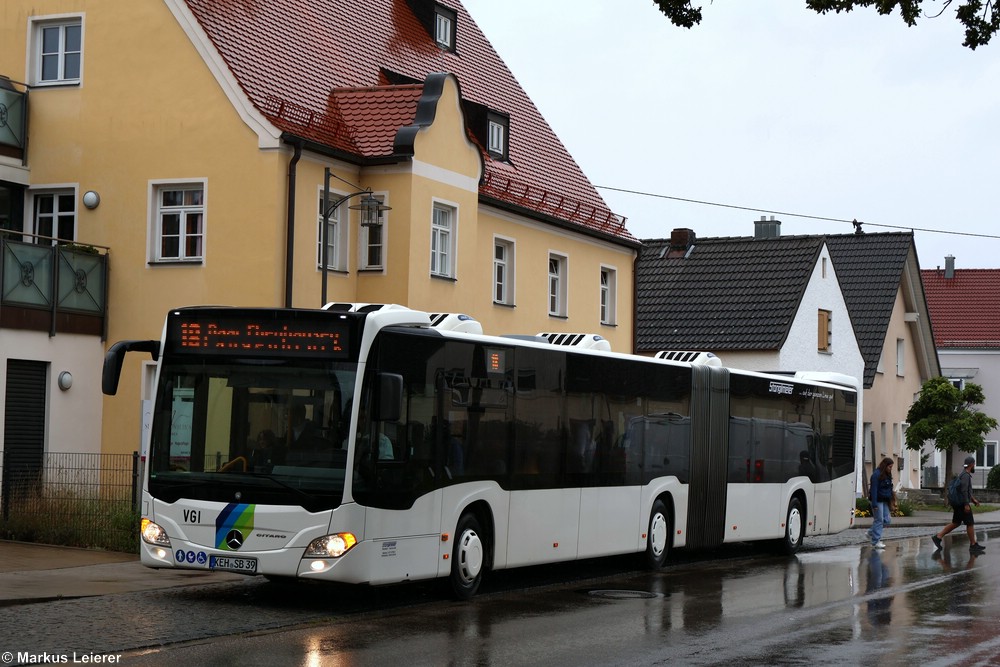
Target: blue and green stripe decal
{"points": [[235, 515]]}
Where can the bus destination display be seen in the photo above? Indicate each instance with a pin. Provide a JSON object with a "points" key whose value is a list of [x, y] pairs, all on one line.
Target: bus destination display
{"points": [[251, 338]]}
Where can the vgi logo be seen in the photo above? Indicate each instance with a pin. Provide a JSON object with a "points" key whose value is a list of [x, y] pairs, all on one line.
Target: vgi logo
{"points": [[234, 540]]}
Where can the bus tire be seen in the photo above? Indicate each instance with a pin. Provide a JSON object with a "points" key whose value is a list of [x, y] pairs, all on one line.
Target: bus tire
{"points": [[794, 527], [468, 558], [657, 536]]}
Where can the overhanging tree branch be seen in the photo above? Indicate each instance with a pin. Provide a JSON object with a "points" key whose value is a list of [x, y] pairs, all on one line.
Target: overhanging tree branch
{"points": [[980, 20]]}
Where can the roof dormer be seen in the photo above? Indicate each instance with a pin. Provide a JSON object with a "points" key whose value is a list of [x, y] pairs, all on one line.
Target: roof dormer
{"points": [[439, 21], [491, 128]]}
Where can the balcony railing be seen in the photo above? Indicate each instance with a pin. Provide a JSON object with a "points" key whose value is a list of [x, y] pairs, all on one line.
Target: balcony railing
{"points": [[59, 288]]}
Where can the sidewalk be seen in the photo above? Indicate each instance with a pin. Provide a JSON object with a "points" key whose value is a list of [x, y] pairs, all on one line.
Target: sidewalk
{"points": [[39, 572], [930, 519]]}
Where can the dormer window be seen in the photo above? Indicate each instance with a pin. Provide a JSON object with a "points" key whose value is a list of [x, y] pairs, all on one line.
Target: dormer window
{"points": [[497, 129], [444, 27]]}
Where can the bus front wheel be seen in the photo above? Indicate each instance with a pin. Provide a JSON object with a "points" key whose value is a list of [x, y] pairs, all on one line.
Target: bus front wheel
{"points": [[794, 527], [658, 536], [467, 558]]}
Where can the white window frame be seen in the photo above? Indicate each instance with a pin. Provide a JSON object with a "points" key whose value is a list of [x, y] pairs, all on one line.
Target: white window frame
{"points": [[444, 232], [156, 188], [900, 357], [444, 27], [37, 58], [558, 279], [372, 240], [609, 295], [497, 135], [57, 193], [986, 454], [337, 234], [503, 271]]}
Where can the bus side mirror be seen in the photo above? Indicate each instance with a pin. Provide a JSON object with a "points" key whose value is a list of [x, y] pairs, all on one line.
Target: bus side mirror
{"points": [[115, 357], [389, 397]]}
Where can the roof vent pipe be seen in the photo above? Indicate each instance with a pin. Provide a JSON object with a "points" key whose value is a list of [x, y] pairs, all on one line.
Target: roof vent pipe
{"points": [[766, 229], [949, 267]]}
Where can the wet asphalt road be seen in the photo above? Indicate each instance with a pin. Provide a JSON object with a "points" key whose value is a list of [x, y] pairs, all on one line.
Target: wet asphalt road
{"points": [[837, 602]]}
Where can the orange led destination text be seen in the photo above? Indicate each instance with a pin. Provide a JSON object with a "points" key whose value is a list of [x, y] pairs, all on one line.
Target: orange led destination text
{"points": [[255, 337]]}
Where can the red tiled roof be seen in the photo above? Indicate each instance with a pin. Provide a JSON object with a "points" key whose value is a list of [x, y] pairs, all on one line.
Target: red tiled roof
{"points": [[313, 67], [964, 309]]}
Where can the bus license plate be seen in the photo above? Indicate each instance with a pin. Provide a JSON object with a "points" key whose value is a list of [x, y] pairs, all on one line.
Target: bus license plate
{"points": [[244, 565]]}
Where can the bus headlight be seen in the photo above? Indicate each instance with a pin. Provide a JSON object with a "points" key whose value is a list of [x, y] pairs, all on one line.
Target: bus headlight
{"points": [[153, 534], [331, 546]]}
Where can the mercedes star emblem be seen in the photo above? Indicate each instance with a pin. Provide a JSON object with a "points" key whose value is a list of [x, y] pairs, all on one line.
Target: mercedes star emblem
{"points": [[234, 540]]}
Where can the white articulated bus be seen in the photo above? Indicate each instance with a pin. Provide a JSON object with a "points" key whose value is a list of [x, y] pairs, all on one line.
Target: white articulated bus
{"points": [[369, 446]]}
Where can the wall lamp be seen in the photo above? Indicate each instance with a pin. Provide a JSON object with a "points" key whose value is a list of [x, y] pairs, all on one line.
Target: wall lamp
{"points": [[371, 216], [65, 380], [91, 199]]}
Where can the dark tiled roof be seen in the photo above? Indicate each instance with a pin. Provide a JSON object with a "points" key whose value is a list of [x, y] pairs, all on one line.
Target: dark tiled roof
{"points": [[870, 270], [964, 309], [317, 69], [737, 293]]}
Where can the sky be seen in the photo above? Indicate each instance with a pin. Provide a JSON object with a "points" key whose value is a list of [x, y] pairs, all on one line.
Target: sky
{"points": [[769, 109]]}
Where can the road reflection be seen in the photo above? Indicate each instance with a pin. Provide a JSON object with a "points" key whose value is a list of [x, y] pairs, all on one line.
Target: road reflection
{"points": [[905, 604]]}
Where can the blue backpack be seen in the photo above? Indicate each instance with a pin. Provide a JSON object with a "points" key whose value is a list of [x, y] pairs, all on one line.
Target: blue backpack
{"points": [[955, 498]]}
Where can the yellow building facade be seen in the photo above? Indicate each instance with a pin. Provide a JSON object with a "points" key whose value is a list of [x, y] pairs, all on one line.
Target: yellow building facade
{"points": [[206, 195]]}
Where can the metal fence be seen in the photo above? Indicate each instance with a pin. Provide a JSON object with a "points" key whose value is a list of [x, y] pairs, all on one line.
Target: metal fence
{"points": [[85, 500], [933, 477]]}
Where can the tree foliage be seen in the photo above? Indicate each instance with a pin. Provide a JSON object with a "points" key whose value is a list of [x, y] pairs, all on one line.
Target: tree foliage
{"points": [[948, 416], [980, 20]]}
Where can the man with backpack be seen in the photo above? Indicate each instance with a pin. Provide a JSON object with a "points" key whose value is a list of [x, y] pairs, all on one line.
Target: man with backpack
{"points": [[961, 500]]}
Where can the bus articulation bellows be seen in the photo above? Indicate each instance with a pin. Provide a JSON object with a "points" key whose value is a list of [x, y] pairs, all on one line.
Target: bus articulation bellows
{"points": [[367, 445]]}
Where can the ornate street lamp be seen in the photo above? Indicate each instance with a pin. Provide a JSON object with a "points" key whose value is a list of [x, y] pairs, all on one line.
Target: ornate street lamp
{"points": [[371, 216]]}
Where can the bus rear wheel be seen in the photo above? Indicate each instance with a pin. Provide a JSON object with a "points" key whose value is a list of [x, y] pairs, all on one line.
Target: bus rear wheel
{"points": [[468, 558], [794, 527], [657, 536]]}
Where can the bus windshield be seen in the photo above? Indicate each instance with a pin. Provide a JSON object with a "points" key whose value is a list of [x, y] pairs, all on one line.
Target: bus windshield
{"points": [[252, 431]]}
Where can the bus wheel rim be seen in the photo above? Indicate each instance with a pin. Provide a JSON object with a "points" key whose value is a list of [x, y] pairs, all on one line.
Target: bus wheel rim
{"points": [[658, 534], [470, 556], [794, 526]]}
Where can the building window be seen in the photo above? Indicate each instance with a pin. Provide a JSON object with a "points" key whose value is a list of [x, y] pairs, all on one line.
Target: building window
{"points": [[58, 51], [497, 127], [900, 357], [609, 290], [986, 456], [371, 254], [442, 241], [503, 272], [11, 207], [557, 285], [336, 257], [180, 223], [824, 330], [444, 27], [54, 217]]}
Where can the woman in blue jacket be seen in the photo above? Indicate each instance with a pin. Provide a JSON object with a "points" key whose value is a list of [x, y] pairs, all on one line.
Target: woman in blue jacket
{"points": [[881, 493]]}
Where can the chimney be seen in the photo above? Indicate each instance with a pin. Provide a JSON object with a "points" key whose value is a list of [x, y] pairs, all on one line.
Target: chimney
{"points": [[949, 267], [681, 242], [766, 229]]}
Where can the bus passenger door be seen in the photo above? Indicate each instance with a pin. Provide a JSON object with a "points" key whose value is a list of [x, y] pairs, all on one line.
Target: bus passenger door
{"points": [[395, 479]]}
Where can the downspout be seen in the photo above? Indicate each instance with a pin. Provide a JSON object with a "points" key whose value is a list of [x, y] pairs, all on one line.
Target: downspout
{"points": [[290, 221], [635, 301]]}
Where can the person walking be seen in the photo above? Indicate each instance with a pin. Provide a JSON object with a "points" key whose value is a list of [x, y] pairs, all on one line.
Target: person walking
{"points": [[963, 513], [882, 495]]}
